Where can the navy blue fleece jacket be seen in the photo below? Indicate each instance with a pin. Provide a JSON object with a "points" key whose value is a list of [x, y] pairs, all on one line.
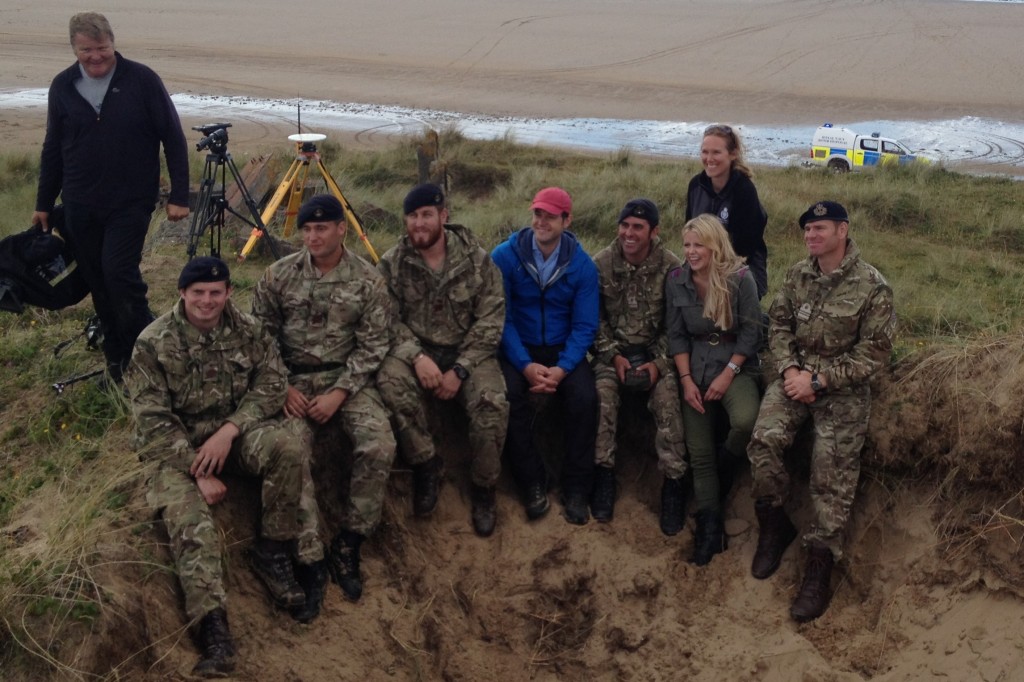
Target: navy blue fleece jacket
{"points": [[112, 159]]}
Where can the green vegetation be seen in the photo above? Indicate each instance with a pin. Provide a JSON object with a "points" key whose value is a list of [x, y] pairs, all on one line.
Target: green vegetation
{"points": [[951, 245]]}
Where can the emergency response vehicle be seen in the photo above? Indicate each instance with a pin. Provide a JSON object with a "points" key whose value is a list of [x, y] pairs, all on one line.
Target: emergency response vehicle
{"points": [[842, 150]]}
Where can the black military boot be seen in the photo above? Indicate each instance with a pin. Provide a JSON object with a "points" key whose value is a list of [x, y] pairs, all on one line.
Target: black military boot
{"points": [[602, 501], [673, 505], [709, 538], [271, 561], [426, 480], [218, 649], [311, 578], [343, 563], [576, 507], [776, 532], [485, 512], [814, 595], [535, 501]]}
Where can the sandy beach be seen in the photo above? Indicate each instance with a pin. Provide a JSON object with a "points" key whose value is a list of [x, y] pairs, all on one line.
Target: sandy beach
{"points": [[743, 61]]}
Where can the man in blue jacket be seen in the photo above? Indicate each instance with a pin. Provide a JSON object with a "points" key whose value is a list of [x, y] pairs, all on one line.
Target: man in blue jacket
{"points": [[106, 120], [551, 318]]}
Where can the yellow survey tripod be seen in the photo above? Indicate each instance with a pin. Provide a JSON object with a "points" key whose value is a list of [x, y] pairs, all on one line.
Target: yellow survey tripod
{"points": [[292, 186]]}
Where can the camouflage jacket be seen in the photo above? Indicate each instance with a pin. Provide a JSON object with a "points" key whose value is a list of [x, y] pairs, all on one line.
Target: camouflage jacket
{"points": [[184, 384], [340, 317], [460, 309], [840, 324], [633, 303]]}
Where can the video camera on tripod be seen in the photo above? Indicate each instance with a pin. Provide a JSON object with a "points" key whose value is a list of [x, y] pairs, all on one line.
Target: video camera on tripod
{"points": [[212, 203], [215, 137]]}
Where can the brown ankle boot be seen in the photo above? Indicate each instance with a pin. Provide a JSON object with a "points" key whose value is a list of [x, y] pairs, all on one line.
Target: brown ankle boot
{"points": [[776, 532], [814, 595]]}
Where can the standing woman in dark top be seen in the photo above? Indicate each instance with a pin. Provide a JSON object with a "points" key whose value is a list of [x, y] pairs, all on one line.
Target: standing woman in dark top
{"points": [[725, 190]]}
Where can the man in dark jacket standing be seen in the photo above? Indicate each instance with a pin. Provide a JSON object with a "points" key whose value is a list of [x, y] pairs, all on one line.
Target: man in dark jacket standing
{"points": [[551, 319], [106, 120]]}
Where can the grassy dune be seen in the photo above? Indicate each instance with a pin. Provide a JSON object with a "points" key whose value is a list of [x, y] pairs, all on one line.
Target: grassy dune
{"points": [[72, 517]]}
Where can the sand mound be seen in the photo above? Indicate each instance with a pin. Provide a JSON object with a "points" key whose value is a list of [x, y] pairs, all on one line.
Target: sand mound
{"points": [[929, 587]]}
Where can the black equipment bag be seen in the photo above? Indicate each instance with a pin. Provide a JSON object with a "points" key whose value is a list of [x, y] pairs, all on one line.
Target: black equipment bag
{"points": [[38, 269]]}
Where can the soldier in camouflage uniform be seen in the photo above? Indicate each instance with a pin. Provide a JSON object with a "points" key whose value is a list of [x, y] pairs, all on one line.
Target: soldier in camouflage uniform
{"points": [[449, 307], [330, 313], [630, 354], [207, 387], [831, 330]]}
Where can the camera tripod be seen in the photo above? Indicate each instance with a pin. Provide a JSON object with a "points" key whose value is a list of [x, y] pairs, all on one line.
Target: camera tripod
{"points": [[212, 203], [293, 185]]}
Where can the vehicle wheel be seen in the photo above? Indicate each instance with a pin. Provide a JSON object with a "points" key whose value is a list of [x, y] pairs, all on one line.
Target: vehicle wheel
{"points": [[838, 166]]}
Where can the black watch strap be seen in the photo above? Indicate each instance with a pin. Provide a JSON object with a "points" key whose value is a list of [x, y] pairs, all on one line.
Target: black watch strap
{"points": [[461, 372]]}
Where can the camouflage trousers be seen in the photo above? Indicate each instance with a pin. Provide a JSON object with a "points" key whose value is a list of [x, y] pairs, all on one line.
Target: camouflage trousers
{"points": [[840, 428], [663, 403], [278, 452], [482, 396], [364, 419]]}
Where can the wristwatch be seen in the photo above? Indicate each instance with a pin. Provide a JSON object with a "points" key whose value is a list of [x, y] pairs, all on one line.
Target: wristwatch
{"points": [[461, 372], [816, 384], [734, 367]]}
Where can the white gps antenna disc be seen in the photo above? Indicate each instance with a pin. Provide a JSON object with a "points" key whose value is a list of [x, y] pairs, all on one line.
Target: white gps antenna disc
{"points": [[307, 137]]}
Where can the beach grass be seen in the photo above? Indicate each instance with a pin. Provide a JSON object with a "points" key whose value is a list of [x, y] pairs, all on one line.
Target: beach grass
{"points": [[951, 246]]}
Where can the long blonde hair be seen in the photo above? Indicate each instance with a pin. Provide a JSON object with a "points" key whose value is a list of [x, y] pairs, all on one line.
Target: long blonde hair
{"points": [[732, 144], [712, 235]]}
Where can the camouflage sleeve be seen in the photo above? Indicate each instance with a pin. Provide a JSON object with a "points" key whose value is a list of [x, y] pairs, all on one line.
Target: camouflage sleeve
{"points": [[405, 345], [482, 340], [373, 339], [266, 306], [605, 346], [268, 386], [659, 346], [159, 434], [874, 344], [782, 329]]}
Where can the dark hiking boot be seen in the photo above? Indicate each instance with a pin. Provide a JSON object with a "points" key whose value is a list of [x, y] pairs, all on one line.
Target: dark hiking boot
{"points": [[709, 538], [576, 507], [218, 649], [485, 511], [535, 500], [426, 481], [272, 563], [776, 533], [602, 501], [814, 596], [311, 578], [673, 505], [343, 563]]}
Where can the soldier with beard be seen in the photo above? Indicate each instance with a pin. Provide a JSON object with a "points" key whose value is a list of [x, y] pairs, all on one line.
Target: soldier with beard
{"points": [[449, 308]]}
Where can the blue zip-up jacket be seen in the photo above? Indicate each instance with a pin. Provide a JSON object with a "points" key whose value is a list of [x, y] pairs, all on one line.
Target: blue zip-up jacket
{"points": [[112, 159], [562, 311]]}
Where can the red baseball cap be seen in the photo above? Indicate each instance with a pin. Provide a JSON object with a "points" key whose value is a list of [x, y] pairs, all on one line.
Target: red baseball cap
{"points": [[553, 200]]}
